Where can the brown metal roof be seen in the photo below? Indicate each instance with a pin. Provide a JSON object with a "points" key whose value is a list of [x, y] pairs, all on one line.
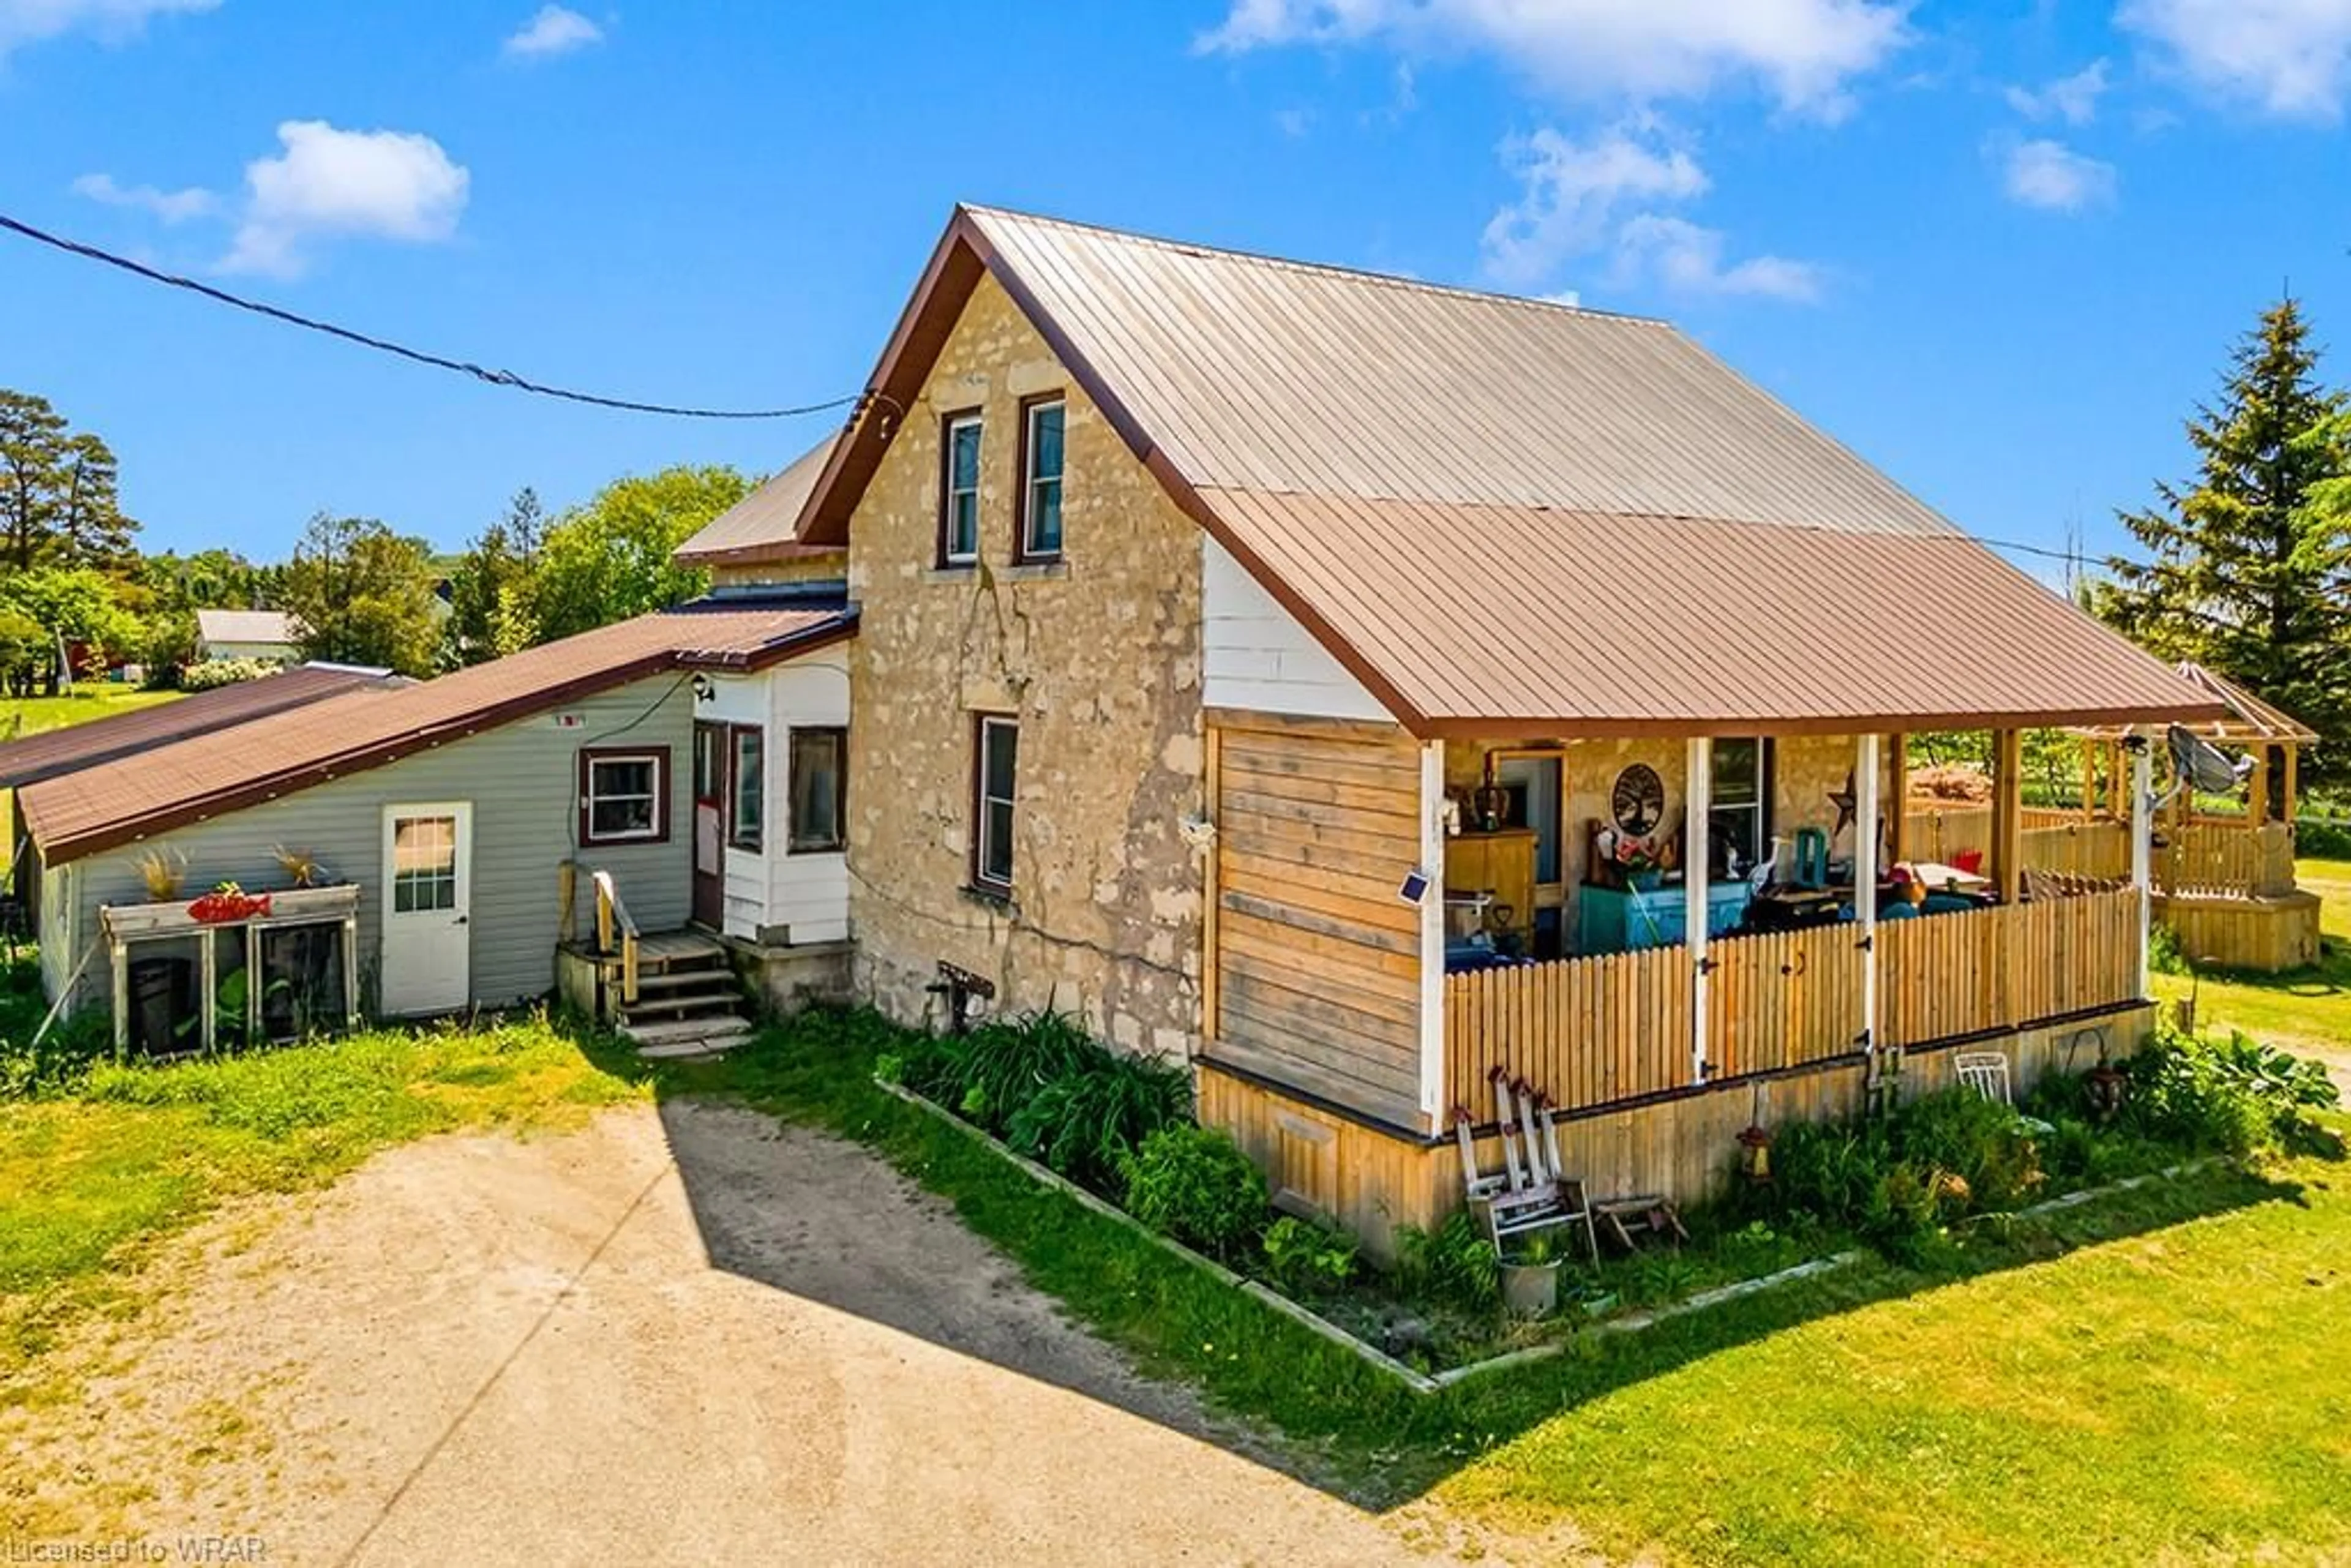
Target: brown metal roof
{"points": [[225, 770], [760, 526], [57, 751], [1499, 512]]}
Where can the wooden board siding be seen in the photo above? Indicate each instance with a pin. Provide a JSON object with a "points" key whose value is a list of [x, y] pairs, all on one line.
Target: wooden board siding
{"points": [[1317, 961], [1320, 1164], [1584, 1031], [2233, 932]]}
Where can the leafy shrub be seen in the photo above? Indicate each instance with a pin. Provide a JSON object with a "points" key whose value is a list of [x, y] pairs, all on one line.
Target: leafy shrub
{"points": [[2235, 1097], [1899, 1180], [1304, 1257], [1195, 1184], [207, 674], [990, 1075], [2163, 953], [1454, 1263], [61, 1061], [1984, 1144], [1088, 1123]]}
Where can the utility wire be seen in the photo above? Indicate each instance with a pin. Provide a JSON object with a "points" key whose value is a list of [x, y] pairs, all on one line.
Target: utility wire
{"points": [[479, 372]]}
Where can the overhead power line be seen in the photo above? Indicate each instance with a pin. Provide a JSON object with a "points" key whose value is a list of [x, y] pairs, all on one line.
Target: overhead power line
{"points": [[463, 367]]}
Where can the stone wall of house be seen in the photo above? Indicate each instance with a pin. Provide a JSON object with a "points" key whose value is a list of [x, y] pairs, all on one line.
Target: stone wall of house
{"points": [[1098, 656]]}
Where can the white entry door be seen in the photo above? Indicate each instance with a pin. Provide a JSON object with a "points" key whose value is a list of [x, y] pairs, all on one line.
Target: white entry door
{"points": [[428, 889]]}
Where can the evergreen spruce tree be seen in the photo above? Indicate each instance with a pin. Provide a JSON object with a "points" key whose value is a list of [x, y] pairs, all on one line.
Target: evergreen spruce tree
{"points": [[2248, 567]]}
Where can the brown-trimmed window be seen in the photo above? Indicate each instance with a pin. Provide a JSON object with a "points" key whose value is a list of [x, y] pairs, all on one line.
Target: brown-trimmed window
{"points": [[995, 766], [623, 795], [747, 785], [819, 790], [1039, 498], [959, 489]]}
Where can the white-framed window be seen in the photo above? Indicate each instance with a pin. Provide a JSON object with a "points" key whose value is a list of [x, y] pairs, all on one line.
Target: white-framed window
{"points": [[423, 864], [820, 789], [959, 492], [1738, 818], [994, 773], [1041, 421], [747, 786], [624, 795]]}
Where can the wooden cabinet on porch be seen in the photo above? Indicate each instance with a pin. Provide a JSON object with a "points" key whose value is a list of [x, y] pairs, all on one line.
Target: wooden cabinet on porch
{"points": [[1504, 863]]}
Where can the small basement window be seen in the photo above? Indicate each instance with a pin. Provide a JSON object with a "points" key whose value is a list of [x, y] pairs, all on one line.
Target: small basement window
{"points": [[746, 797], [819, 790], [624, 795], [991, 861], [959, 492]]}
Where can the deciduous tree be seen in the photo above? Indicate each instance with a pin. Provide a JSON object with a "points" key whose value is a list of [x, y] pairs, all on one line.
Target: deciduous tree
{"points": [[363, 595]]}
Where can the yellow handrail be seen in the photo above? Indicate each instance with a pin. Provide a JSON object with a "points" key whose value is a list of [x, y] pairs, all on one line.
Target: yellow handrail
{"points": [[612, 914]]}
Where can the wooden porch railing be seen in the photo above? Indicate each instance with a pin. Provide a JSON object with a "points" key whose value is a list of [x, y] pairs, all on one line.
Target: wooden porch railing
{"points": [[1949, 975], [615, 923], [1783, 998], [2050, 840], [1585, 1031], [2223, 859], [1597, 1031]]}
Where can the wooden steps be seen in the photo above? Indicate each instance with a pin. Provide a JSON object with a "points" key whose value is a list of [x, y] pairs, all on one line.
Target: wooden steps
{"points": [[688, 1005]]}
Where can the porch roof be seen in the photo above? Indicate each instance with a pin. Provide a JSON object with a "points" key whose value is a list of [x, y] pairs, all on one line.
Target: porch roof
{"points": [[1509, 517], [228, 769], [2245, 717]]}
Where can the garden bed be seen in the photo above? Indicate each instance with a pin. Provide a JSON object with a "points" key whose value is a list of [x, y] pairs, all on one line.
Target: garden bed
{"points": [[1117, 1132]]}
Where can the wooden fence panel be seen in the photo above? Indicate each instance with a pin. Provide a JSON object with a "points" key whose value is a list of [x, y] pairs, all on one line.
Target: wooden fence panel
{"points": [[1949, 975], [1585, 1031], [1783, 998], [2220, 860]]}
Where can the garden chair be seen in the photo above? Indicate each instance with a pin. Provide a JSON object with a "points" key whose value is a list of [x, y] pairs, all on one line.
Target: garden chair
{"points": [[1530, 1193], [1986, 1072]]}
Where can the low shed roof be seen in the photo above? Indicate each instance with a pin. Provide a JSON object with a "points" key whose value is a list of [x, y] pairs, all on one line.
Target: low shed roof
{"points": [[263, 626], [1506, 516], [60, 751], [230, 769]]}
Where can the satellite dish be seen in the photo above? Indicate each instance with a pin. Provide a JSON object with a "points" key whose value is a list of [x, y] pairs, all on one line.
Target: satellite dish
{"points": [[2203, 766]]}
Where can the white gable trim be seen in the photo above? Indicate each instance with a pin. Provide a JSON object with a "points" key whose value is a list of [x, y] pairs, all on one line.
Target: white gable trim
{"points": [[1254, 655]]}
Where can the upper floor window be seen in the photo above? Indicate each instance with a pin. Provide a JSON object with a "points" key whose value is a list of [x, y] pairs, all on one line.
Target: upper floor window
{"points": [[1041, 478], [998, 743], [959, 492], [624, 795]]}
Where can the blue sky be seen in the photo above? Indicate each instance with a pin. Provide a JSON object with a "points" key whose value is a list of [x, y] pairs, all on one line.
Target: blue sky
{"points": [[1998, 249]]}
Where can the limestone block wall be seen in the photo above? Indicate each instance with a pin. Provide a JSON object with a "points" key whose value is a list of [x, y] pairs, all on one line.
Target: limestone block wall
{"points": [[1099, 657]]}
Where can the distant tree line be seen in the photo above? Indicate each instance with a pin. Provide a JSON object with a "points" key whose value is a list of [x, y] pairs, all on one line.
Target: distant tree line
{"points": [[75, 586]]}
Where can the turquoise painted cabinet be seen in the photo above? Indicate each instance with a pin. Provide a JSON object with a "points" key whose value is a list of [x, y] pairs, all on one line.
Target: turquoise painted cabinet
{"points": [[1613, 919]]}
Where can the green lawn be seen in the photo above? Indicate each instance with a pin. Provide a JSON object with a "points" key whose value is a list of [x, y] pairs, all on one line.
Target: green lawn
{"points": [[2153, 1375], [2307, 1010]]}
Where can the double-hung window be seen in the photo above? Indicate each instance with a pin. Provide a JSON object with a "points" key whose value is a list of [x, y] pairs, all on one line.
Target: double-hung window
{"points": [[819, 790], [746, 780], [1739, 822], [1041, 478], [624, 795], [999, 744], [959, 492]]}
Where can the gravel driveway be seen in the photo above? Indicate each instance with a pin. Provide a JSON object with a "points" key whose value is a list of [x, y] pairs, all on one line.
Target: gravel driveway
{"points": [[681, 1335]]}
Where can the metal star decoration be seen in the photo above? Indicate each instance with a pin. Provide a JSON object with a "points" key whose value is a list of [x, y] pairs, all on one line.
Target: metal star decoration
{"points": [[1844, 800]]}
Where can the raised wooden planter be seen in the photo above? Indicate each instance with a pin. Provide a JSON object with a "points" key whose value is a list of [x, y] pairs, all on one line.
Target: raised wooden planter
{"points": [[125, 923]]}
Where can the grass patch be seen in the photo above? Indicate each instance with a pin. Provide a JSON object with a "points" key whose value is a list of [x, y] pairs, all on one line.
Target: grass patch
{"points": [[2110, 1381], [134, 1154]]}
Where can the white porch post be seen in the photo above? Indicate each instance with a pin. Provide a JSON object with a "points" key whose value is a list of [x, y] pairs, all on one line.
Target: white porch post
{"points": [[2143, 845], [1865, 879], [1698, 799], [1433, 1065]]}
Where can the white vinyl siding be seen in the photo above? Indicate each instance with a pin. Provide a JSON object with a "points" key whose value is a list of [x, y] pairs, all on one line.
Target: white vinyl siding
{"points": [[1255, 655], [798, 898]]}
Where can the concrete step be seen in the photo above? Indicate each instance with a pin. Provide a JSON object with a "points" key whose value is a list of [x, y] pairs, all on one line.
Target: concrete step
{"points": [[686, 1039]]}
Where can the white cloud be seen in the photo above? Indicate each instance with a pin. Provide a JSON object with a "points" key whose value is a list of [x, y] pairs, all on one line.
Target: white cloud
{"points": [[2052, 176], [1603, 196], [387, 185], [171, 207], [1573, 192], [555, 30], [1294, 122], [111, 21], [1805, 53], [2074, 99], [1688, 260], [2289, 57]]}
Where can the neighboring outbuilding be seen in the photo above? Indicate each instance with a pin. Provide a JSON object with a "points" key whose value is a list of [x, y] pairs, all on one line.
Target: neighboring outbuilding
{"points": [[270, 637]]}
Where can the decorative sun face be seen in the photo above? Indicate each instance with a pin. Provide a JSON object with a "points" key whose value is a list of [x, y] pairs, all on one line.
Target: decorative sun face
{"points": [[1639, 801]]}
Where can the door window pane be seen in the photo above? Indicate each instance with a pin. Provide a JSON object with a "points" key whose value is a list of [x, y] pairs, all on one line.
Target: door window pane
{"points": [[423, 864]]}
